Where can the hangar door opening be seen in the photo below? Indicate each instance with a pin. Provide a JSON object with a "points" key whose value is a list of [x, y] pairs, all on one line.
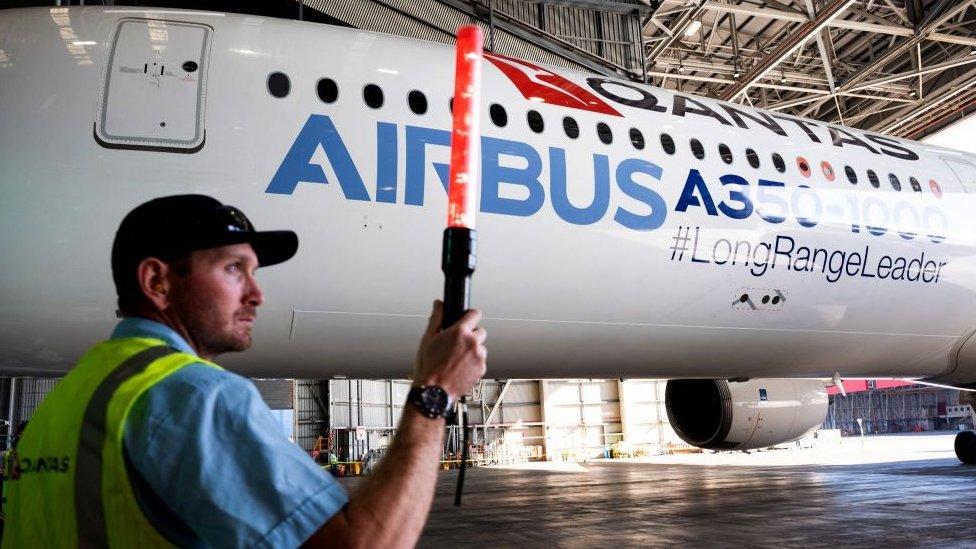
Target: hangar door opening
{"points": [[154, 88]]}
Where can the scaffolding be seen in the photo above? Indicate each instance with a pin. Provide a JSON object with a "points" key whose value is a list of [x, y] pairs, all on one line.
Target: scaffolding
{"points": [[897, 410]]}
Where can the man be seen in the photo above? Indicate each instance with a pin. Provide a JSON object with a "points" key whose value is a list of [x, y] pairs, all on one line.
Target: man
{"points": [[148, 442]]}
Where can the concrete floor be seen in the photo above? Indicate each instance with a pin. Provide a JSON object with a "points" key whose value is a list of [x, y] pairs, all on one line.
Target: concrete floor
{"points": [[895, 491]]}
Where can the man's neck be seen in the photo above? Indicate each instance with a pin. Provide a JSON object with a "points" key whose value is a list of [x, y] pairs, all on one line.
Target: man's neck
{"points": [[177, 326]]}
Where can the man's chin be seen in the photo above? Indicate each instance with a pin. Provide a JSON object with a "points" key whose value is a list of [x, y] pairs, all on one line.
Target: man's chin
{"points": [[235, 345]]}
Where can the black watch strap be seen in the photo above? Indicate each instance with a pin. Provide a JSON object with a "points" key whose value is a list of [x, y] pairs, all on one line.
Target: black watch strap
{"points": [[431, 400]]}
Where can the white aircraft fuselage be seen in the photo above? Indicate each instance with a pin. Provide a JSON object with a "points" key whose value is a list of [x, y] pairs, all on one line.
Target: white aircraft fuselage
{"points": [[600, 255]]}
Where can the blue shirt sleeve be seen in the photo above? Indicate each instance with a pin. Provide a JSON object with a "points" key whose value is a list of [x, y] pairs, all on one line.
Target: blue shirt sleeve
{"points": [[208, 446]]}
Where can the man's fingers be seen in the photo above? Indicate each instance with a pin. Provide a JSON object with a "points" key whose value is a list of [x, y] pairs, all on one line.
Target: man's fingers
{"points": [[470, 319], [434, 322], [480, 334]]}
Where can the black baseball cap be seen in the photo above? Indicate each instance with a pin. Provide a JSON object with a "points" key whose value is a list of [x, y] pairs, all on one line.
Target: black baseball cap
{"points": [[172, 226]]}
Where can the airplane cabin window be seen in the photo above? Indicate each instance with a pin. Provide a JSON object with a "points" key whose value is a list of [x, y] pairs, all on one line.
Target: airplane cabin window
{"points": [[570, 127], [417, 101], [779, 163], [895, 183], [636, 138], [803, 166], [498, 115], [603, 131], [916, 186], [535, 121], [725, 152], [873, 178], [667, 143], [851, 175], [697, 149], [328, 90], [373, 96], [278, 84], [753, 158]]}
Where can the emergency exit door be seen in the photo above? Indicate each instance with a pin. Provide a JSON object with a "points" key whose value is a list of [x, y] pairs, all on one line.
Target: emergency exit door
{"points": [[154, 86]]}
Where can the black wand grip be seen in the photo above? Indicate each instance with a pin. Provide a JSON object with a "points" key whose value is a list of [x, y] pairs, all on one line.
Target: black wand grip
{"points": [[458, 263]]}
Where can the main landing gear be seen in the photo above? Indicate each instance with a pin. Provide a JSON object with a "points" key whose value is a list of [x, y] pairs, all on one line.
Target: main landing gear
{"points": [[966, 447]]}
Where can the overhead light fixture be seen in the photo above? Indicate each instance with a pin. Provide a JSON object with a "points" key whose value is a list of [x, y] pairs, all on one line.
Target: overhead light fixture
{"points": [[681, 68], [913, 93], [693, 28], [972, 51], [782, 78], [736, 74]]}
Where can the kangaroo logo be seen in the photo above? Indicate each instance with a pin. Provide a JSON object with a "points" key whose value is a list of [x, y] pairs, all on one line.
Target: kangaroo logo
{"points": [[539, 84]]}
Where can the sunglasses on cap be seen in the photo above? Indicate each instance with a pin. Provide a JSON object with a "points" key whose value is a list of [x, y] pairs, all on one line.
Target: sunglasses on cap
{"points": [[224, 219]]}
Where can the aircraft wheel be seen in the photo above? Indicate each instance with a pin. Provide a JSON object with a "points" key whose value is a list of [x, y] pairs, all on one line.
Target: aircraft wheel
{"points": [[966, 447]]}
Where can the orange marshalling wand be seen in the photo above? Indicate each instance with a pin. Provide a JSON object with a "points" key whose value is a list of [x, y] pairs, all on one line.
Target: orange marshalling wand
{"points": [[458, 256]]}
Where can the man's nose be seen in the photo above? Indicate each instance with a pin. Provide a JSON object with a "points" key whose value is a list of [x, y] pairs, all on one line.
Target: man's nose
{"points": [[254, 296]]}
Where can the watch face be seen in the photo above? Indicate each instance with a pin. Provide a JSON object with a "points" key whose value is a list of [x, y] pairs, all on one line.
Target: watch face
{"points": [[435, 399], [431, 401]]}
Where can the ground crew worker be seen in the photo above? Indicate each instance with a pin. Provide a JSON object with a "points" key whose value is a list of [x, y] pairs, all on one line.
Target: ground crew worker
{"points": [[148, 442]]}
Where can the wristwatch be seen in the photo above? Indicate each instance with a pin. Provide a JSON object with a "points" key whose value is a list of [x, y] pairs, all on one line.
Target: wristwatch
{"points": [[431, 400]]}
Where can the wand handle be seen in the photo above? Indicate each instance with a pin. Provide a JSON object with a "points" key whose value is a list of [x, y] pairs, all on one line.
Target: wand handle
{"points": [[458, 261]]}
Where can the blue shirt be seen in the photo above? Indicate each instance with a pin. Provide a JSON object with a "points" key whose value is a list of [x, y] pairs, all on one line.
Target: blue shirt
{"points": [[209, 464]]}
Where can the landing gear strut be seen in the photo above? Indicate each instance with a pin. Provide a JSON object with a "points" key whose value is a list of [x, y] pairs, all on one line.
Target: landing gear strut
{"points": [[966, 447]]}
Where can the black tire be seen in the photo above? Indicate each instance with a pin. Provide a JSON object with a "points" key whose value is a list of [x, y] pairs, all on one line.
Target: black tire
{"points": [[966, 447]]}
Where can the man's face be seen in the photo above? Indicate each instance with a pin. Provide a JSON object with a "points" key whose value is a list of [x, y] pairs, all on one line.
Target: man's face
{"points": [[217, 298]]}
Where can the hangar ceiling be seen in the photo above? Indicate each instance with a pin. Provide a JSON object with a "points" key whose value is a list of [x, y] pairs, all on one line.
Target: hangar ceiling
{"points": [[904, 67]]}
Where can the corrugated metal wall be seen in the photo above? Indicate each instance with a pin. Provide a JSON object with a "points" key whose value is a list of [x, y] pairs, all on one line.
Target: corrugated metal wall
{"points": [[28, 393], [311, 411], [561, 419], [890, 410], [373, 404], [614, 37], [612, 40], [277, 393], [643, 414], [581, 416]]}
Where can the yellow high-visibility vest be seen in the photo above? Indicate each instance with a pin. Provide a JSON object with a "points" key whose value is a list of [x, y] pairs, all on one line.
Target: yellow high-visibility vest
{"points": [[73, 488]]}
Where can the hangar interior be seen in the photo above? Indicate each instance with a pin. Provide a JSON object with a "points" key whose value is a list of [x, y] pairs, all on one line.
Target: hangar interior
{"points": [[518, 420], [902, 67]]}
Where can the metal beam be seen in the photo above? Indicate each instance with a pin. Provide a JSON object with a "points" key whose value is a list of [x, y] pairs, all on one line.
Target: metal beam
{"points": [[677, 31], [696, 65], [952, 39], [904, 76], [717, 80], [498, 402], [863, 26], [822, 48], [952, 89], [900, 50], [886, 81], [826, 96], [785, 49]]}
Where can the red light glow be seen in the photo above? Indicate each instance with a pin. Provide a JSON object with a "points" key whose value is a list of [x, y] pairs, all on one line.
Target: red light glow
{"points": [[466, 129]]}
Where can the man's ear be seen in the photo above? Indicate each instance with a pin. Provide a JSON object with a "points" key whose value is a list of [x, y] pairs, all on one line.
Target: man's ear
{"points": [[154, 282]]}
